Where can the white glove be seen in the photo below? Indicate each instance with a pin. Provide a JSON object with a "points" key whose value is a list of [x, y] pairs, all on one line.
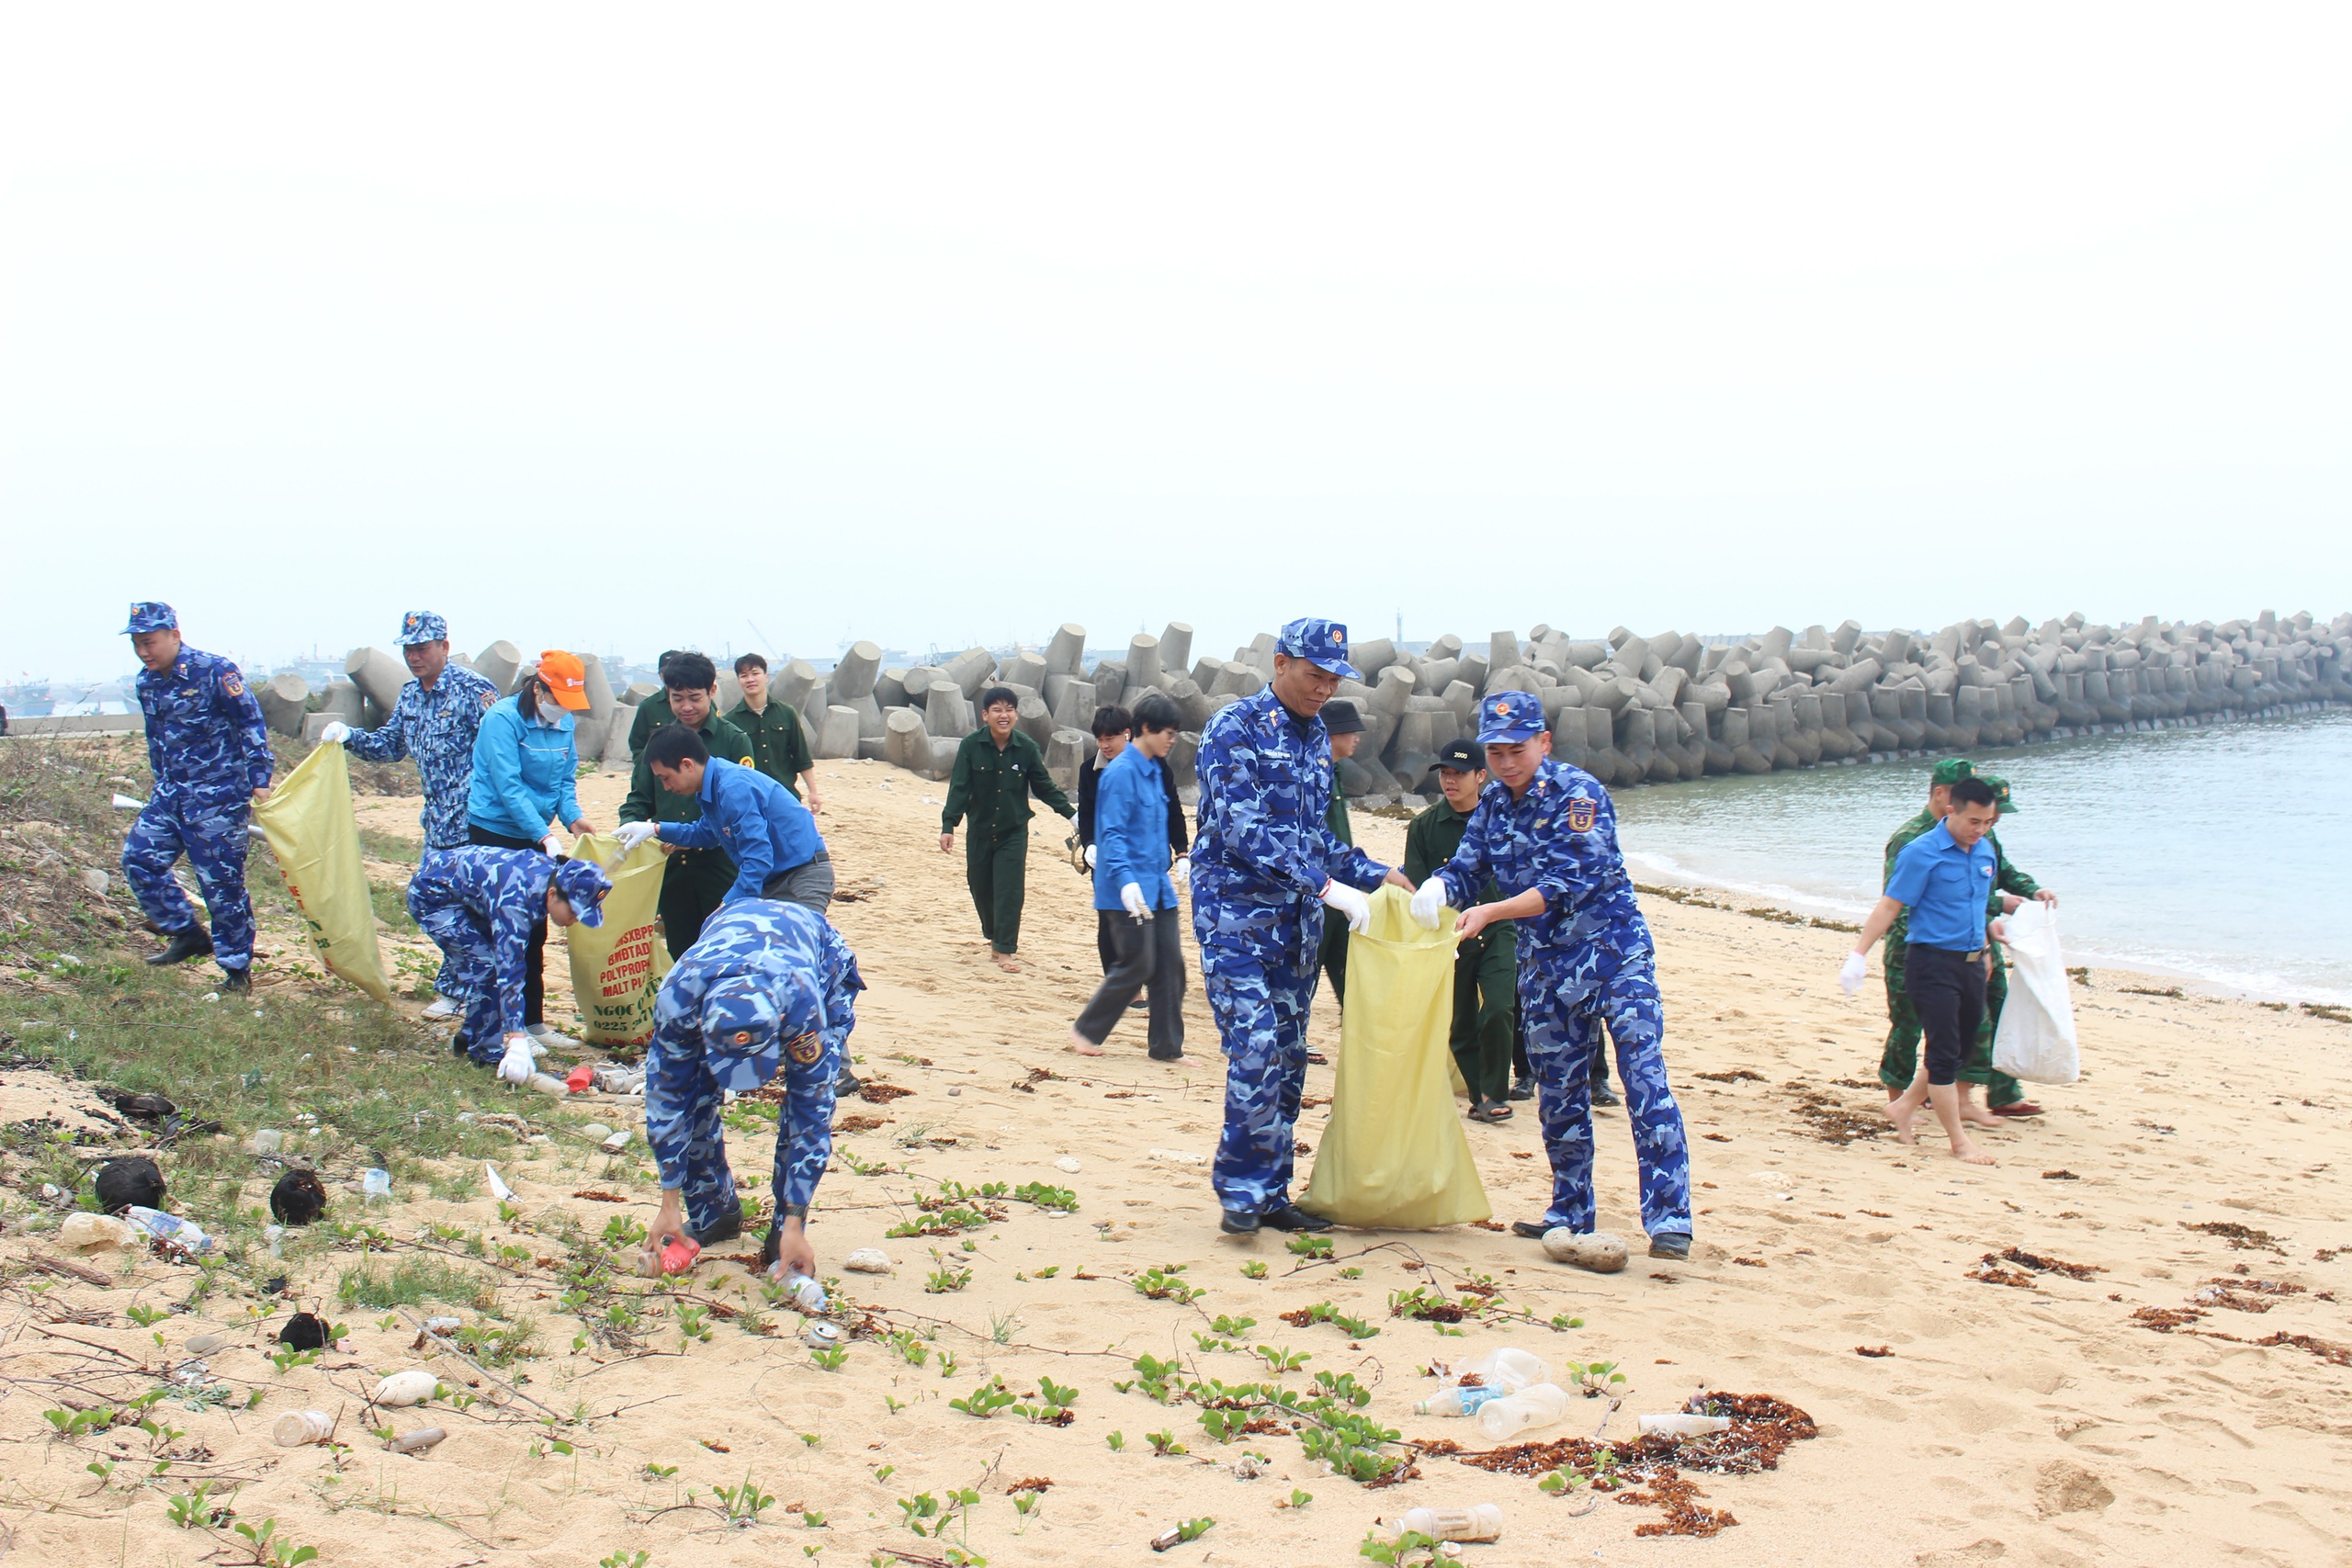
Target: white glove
{"points": [[1131, 899], [1181, 873], [552, 844], [1850, 976], [1427, 899], [517, 1067], [1089, 857], [335, 734], [632, 834], [1348, 902]]}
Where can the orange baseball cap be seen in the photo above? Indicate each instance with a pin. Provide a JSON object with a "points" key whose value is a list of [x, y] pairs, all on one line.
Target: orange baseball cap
{"points": [[566, 677]]}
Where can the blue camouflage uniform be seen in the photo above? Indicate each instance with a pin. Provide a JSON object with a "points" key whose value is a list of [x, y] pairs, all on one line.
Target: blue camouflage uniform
{"points": [[1260, 859], [208, 751], [1585, 961], [768, 986], [478, 903], [437, 727]]}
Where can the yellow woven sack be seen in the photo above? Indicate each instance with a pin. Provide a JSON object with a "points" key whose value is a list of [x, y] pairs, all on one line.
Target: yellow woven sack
{"points": [[315, 838], [616, 967], [1394, 1156]]}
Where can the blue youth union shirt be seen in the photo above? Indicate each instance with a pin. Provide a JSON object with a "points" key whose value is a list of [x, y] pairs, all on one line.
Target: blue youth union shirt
{"points": [[1947, 888]]}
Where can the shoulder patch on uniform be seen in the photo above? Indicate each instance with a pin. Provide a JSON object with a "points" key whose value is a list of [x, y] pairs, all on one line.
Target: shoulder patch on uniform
{"points": [[233, 684], [806, 1048], [490, 696], [1580, 814]]}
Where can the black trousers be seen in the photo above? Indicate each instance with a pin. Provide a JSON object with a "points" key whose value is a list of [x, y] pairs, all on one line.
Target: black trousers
{"points": [[1599, 1077], [1148, 953], [1947, 990], [534, 964]]}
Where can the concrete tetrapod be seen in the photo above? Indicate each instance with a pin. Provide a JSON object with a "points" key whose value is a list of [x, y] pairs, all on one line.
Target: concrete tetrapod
{"points": [[378, 675], [1066, 749], [284, 700], [1143, 662], [598, 687], [837, 737], [1066, 653], [497, 664], [854, 676], [907, 743], [1176, 648]]}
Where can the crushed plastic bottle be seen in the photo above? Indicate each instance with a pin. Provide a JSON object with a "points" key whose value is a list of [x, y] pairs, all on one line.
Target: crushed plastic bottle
{"points": [[181, 1235], [1539, 1405], [95, 1230], [805, 1293], [1458, 1401], [276, 1236], [1505, 1367], [266, 1141], [375, 1184]]}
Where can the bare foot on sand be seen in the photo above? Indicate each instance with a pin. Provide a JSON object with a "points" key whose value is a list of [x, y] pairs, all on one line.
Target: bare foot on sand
{"points": [[1899, 1112], [1978, 1116], [1969, 1154], [1082, 1045], [1005, 962]]}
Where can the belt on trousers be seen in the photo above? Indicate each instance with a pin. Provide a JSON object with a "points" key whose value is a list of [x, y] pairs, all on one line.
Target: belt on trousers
{"points": [[1976, 953]]}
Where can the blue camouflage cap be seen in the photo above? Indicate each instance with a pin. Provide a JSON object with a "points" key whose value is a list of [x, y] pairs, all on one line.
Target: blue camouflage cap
{"points": [[1322, 643], [1507, 718], [749, 1025], [423, 626], [583, 884], [152, 615]]}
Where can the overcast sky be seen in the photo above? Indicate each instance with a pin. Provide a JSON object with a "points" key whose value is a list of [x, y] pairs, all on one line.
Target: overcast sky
{"points": [[623, 328]]}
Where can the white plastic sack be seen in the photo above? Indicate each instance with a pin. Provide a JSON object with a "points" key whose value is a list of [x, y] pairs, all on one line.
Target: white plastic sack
{"points": [[2036, 1040]]}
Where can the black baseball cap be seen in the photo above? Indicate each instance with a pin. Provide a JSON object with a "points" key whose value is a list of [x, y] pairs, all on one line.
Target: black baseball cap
{"points": [[1340, 717], [1459, 755]]}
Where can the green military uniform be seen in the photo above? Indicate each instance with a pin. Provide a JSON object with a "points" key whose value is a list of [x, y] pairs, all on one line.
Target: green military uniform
{"points": [[652, 715], [694, 881], [1485, 966], [1332, 957], [779, 743], [990, 790]]}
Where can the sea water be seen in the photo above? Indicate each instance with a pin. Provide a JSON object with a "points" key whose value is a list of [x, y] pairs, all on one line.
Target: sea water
{"points": [[2221, 853]]}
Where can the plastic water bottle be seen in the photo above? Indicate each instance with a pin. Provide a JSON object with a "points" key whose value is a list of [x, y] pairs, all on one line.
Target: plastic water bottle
{"points": [[375, 1184], [1482, 1522], [806, 1293], [186, 1235], [1539, 1405], [1507, 1368], [1458, 1401]]}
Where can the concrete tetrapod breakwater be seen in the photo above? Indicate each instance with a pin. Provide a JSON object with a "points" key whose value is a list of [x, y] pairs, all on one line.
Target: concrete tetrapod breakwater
{"points": [[1627, 709]]}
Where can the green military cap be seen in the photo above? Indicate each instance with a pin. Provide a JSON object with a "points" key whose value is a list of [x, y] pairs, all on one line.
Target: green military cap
{"points": [[1950, 770], [2000, 788]]}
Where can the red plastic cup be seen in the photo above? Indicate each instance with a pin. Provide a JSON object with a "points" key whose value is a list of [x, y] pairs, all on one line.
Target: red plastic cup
{"points": [[578, 1079], [679, 1254]]}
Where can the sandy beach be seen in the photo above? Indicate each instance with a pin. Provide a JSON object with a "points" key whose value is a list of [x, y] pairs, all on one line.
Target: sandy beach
{"points": [[2055, 1361]]}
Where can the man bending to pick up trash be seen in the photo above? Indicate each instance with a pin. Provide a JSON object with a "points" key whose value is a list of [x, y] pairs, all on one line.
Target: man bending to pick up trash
{"points": [[1548, 834], [768, 986], [1265, 863], [478, 904]]}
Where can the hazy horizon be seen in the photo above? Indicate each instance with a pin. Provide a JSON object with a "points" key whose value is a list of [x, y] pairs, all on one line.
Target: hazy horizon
{"points": [[590, 327]]}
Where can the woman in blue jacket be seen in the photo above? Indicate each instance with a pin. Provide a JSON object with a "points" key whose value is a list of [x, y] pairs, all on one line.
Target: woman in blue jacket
{"points": [[1135, 898], [525, 765]]}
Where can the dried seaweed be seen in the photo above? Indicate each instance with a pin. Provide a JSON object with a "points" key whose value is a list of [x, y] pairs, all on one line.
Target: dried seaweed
{"points": [[2246, 1238], [2049, 1265]]}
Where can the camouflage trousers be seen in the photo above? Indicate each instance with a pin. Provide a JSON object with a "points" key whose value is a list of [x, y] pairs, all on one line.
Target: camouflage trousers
{"points": [[683, 1108], [1565, 1010], [1900, 1062], [469, 965], [214, 842], [1260, 1002]]}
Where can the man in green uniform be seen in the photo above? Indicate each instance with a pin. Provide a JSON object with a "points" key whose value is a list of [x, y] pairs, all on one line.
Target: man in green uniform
{"points": [[1485, 966], [654, 711], [2004, 1096], [1346, 724], [695, 881], [779, 744], [997, 768]]}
